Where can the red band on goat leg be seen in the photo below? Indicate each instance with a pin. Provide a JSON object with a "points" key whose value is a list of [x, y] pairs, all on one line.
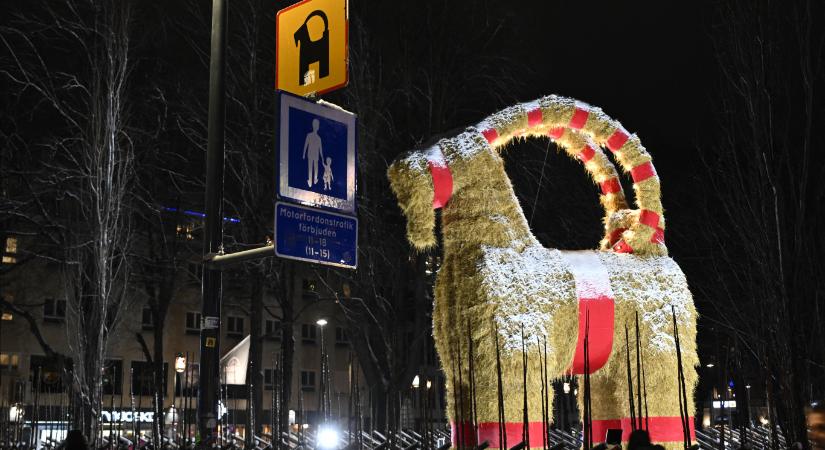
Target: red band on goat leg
{"points": [[595, 295], [662, 429], [488, 431], [600, 428]]}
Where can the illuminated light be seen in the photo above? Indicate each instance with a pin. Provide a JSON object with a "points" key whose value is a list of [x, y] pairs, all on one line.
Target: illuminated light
{"points": [[706, 421], [328, 438], [321, 322], [763, 420], [747, 386], [566, 388], [429, 384], [180, 363], [16, 413], [171, 416], [709, 365], [416, 382], [724, 404], [221, 409]]}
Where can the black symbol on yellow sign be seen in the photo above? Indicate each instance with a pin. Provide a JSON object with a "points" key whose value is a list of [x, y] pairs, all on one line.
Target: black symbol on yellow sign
{"points": [[312, 51], [210, 342], [312, 47]]}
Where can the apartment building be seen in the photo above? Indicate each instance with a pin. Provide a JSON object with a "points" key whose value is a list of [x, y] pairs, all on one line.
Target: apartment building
{"points": [[28, 377]]}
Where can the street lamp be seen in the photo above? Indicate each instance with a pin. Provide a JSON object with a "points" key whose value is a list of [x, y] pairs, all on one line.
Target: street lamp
{"points": [[416, 382], [180, 363], [323, 399]]}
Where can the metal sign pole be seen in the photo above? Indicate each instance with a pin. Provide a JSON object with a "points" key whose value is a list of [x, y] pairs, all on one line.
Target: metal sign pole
{"points": [[213, 233]]}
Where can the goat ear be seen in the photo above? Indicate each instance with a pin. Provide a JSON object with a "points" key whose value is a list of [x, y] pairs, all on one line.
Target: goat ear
{"points": [[412, 184]]}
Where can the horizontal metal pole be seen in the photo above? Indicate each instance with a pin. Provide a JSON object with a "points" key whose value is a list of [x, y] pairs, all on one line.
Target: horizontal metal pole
{"points": [[218, 261]]}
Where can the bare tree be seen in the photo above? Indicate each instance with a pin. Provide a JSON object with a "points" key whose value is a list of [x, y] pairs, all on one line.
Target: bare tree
{"points": [[764, 242], [73, 184]]}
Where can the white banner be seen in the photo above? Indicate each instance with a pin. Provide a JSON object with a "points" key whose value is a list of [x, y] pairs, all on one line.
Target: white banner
{"points": [[233, 364]]}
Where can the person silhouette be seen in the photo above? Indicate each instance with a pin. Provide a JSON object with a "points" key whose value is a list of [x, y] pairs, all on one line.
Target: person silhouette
{"points": [[313, 149], [328, 174]]}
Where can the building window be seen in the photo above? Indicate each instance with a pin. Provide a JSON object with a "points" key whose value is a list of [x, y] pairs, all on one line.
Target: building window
{"points": [[9, 362], [193, 322], [308, 333], [269, 379], [309, 289], [185, 231], [308, 285], [341, 336], [272, 329], [234, 326], [7, 315], [307, 380], [143, 378], [240, 391], [112, 377], [48, 371], [10, 250], [54, 310], [147, 322]]}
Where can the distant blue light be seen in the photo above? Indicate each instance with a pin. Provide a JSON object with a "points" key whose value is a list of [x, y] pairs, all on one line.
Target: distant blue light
{"points": [[200, 214], [730, 383]]}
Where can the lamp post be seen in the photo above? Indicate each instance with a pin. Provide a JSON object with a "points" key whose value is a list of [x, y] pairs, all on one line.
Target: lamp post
{"points": [[322, 400], [180, 367]]}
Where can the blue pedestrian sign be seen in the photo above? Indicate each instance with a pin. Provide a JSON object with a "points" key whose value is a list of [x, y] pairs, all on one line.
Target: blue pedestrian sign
{"points": [[307, 234], [316, 154]]}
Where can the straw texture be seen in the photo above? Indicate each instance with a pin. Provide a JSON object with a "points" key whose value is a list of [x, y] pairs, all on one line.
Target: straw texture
{"points": [[496, 277]]}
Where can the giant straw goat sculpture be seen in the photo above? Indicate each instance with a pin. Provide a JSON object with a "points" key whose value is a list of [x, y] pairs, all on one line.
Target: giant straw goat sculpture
{"points": [[496, 277]]}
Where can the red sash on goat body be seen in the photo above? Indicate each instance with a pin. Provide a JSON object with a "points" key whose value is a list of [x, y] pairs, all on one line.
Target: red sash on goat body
{"points": [[590, 276], [596, 297]]}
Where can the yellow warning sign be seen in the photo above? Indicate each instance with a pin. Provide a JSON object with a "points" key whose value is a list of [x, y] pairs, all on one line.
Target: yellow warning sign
{"points": [[312, 48], [210, 342]]}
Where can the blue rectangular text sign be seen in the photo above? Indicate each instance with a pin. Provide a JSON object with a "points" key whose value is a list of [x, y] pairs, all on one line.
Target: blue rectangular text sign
{"points": [[311, 235]]}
